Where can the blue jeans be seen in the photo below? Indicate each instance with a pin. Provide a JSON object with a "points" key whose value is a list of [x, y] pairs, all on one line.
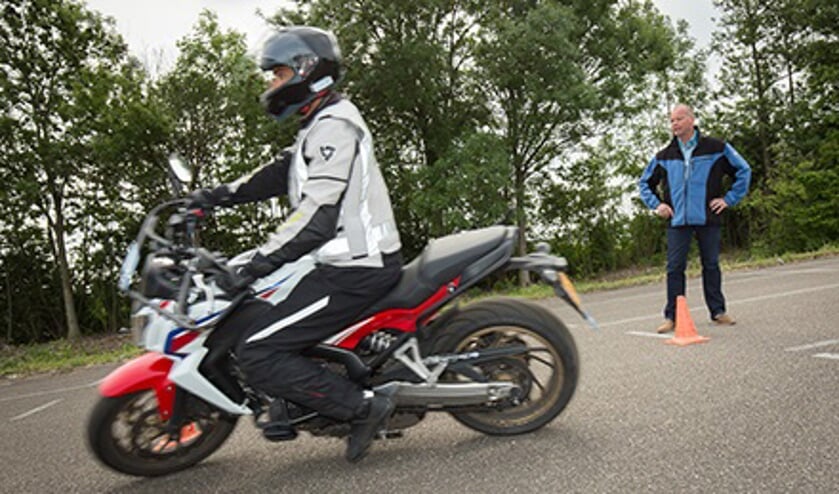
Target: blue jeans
{"points": [[678, 245]]}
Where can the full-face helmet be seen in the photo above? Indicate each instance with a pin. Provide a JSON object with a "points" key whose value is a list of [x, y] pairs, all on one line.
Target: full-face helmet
{"points": [[314, 56]]}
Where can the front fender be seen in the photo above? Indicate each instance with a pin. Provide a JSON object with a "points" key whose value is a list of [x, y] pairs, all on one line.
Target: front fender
{"points": [[148, 371]]}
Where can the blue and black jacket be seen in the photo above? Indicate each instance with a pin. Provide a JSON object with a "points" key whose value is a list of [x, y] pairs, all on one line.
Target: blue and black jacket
{"points": [[688, 188]]}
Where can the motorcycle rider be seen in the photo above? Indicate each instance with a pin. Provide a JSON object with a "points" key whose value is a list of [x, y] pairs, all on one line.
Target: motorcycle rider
{"points": [[341, 214]]}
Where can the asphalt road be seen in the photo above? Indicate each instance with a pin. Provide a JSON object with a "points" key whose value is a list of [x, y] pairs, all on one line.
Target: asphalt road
{"points": [[756, 409]]}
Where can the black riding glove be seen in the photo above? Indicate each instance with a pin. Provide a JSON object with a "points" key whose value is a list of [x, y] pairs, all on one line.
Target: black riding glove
{"points": [[200, 199], [234, 283], [208, 198], [258, 267]]}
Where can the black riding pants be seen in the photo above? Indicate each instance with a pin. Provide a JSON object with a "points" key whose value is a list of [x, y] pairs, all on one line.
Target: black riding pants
{"points": [[322, 304]]}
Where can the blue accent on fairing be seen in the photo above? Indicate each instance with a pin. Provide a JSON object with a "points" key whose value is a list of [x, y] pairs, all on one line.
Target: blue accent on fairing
{"points": [[178, 331], [275, 284], [170, 338]]}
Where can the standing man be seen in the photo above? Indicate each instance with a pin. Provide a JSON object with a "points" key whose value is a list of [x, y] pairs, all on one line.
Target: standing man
{"points": [[341, 215], [683, 183]]}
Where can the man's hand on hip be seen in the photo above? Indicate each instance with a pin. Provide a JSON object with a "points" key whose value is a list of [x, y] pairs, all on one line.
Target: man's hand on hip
{"points": [[664, 211], [718, 205]]}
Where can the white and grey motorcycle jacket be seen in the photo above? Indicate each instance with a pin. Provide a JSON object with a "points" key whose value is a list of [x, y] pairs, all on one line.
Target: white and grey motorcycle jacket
{"points": [[341, 210]]}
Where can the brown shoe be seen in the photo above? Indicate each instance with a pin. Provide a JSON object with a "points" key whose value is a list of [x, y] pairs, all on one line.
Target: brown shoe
{"points": [[665, 327], [724, 320]]}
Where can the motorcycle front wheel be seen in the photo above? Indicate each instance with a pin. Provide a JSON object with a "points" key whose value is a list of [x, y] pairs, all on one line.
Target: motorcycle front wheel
{"points": [[546, 374], [127, 434]]}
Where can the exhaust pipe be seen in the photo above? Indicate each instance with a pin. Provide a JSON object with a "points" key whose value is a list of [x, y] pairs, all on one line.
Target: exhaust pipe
{"points": [[443, 395]]}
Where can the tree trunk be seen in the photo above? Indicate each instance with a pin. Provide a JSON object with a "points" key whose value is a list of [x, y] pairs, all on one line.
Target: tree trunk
{"points": [[762, 111], [72, 320], [9, 307], [521, 222], [73, 331]]}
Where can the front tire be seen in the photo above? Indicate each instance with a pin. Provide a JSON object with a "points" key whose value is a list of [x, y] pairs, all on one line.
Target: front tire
{"points": [[547, 374], [126, 434]]}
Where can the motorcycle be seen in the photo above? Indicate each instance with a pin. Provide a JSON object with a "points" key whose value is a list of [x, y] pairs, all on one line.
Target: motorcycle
{"points": [[500, 366]]}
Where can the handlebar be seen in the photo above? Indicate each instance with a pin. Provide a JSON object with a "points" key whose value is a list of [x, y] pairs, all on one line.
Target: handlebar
{"points": [[177, 243], [147, 230]]}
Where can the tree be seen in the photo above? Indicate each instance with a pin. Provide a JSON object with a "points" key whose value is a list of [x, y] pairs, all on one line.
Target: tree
{"points": [[210, 99], [130, 145], [802, 201], [781, 93], [750, 75], [432, 76], [558, 74], [58, 62]]}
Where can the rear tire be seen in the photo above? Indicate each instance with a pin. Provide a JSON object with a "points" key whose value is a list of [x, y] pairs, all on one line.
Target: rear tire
{"points": [[547, 373], [126, 434]]}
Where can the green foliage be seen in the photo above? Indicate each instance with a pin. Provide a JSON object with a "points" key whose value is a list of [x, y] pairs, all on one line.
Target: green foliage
{"points": [[63, 355], [781, 78], [590, 230], [218, 126], [534, 73], [60, 67], [470, 183], [27, 286], [538, 75], [540, 113], [805, 202]]}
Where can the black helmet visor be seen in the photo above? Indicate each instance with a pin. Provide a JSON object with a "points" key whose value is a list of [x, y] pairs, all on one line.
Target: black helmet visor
{"points": [[285, 48]]}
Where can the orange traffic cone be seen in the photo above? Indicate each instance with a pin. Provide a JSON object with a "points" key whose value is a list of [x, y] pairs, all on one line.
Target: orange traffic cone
{"points": [[685, 329]]}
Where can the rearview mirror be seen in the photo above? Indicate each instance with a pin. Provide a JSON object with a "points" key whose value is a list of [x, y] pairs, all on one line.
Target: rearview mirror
{"points": [[180, 169]]}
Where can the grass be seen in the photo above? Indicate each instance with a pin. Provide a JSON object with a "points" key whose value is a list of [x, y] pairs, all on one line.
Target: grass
{"points": [[61, 355]]}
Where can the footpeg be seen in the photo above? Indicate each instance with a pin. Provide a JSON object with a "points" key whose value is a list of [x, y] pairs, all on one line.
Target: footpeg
{"points": [[278, 431], [392, 434], [278, 427]]}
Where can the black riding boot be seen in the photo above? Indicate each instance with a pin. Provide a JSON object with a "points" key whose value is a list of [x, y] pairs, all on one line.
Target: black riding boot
{"points": [[372, 417]]}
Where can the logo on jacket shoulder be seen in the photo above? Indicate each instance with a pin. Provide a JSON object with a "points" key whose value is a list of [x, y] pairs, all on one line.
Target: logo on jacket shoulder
{"points": [[327, 152]]}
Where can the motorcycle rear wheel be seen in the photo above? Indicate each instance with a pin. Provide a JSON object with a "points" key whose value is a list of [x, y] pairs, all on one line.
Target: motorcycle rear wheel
{"points": [[547, 374], [127, 434]]}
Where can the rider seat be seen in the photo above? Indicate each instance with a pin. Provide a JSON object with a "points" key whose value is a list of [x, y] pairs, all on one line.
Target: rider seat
{"points": [[443, 260]]}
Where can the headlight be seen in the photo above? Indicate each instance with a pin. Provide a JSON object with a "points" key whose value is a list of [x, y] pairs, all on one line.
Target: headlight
{"points": [[138, 326]]}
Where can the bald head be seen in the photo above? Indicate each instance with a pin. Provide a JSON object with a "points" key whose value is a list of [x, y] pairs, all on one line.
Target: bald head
{"points": [[681, 122]]}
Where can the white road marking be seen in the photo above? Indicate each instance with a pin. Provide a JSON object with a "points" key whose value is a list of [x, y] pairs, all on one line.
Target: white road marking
{"points": [[649, 335], [786, 294], [646, 295], [808, 271], [752, 299], [831, 356], [696, 284], [36, 410], [736, 302], [631, 319], [50, 392], [812, 345]]}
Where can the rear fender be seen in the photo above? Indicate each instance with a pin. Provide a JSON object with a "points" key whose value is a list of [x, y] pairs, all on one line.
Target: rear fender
{"points": [[148, 371]]}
